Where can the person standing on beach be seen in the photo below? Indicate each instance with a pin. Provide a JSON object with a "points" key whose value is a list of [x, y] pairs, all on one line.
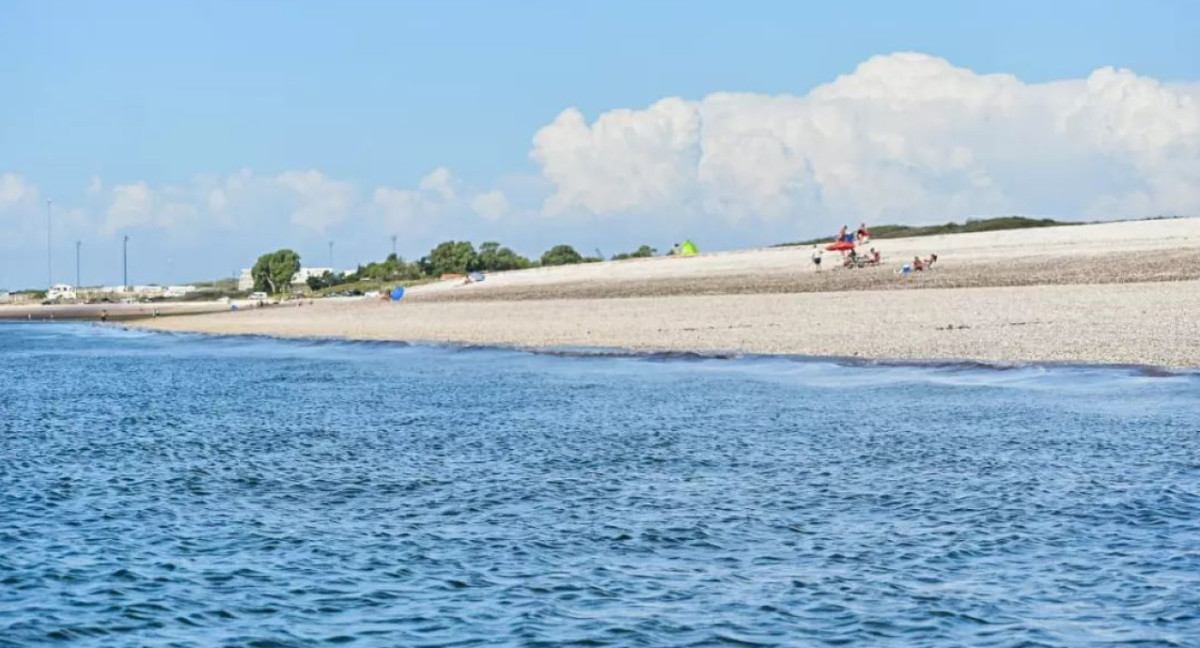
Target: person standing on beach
{"points": [[816, 257]]}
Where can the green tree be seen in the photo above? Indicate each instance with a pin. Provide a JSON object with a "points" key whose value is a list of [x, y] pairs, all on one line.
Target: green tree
{"points": [[450, 257], [331, 279], [393, 268], [642, 252], [561, 255], [273, 271], [493, 258]]}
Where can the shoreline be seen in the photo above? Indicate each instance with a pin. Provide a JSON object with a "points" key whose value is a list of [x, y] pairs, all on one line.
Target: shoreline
{"points": [[667, 355], [1108, 294], [1122, 324], [121, 312]]}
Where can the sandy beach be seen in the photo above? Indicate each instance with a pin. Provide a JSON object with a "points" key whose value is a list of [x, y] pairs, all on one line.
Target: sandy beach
{"points": [[1122, 293]]}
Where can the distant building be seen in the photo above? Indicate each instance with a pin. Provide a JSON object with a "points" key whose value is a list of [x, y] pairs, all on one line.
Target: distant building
{"points": [[60, 292], [148, 291], [5, 298], [178, 291], [301, 278]]}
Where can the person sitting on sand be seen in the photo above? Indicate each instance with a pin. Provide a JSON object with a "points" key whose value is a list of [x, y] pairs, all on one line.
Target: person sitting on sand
{"points": [[816, 257], [917, 265], [851, 259], [876, 257], [931, 260]]}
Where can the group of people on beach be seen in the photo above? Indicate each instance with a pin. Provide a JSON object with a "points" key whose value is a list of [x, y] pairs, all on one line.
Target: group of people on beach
{"points": [[861, 236], [848, 243], [919, 265], [854, 260]]}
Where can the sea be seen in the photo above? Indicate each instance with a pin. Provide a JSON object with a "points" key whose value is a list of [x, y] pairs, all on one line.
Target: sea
{"points": [[174, 490]]}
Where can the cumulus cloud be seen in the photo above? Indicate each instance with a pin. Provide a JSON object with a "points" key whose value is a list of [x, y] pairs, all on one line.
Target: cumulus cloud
{"points": [[320, 201], [307, 199], [131, 205], [434, 194], [19, 208], [16, 191], [136, 205], [626, 160], [439, 182], [906, 137], [492, 205]]}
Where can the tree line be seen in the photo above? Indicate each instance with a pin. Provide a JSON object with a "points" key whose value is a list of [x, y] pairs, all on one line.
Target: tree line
{"points": [[273, 271]]}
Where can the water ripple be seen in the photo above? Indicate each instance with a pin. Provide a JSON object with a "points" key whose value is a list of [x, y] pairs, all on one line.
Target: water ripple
{"points": [[196, 492]]}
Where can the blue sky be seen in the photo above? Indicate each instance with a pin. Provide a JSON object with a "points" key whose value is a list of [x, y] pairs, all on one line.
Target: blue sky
{"points": [[378, 95]]}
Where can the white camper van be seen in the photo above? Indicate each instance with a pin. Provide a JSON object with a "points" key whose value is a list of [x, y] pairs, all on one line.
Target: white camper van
{"points": [[60, 292]]}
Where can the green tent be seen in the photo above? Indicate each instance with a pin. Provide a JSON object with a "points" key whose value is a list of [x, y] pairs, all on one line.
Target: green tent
{"points": [[688, 249]]}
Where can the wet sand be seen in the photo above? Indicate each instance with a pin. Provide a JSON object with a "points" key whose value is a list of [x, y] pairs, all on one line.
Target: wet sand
{"points": [[115, 312]]}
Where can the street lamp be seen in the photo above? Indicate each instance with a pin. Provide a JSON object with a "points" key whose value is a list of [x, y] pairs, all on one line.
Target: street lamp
{"points": [[125, 263], [49, 265]]}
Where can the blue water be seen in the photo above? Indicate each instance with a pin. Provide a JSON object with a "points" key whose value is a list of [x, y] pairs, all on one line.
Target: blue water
{"points": [[164, 490]]}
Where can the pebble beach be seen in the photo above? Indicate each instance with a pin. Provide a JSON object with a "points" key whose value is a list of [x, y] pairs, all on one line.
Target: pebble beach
{"points": [[1113, 293]]}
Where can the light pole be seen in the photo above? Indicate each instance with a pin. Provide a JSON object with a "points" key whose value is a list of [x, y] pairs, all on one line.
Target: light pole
{"points": [[393, 245], [78, 284], [125, 263], [49, 265], [331, 256]]}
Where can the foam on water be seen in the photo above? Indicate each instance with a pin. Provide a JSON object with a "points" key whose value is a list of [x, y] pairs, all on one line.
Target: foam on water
{"points": [[181, 490]]}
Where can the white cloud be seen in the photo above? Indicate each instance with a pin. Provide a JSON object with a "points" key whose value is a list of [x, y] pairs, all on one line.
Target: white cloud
{"points": [[95, 186], [137, 205], [905, 137], [21, 212], [435, 194], [399, 205], [321, 202], [16, 191], [131, 205], [626, 160], [492, 205], [440, 182]]}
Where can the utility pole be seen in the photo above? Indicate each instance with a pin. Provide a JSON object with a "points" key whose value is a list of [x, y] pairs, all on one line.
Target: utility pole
{"points": [[78, 284], [331, 256], [49, 265], [393, 245], [125, 263]]}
